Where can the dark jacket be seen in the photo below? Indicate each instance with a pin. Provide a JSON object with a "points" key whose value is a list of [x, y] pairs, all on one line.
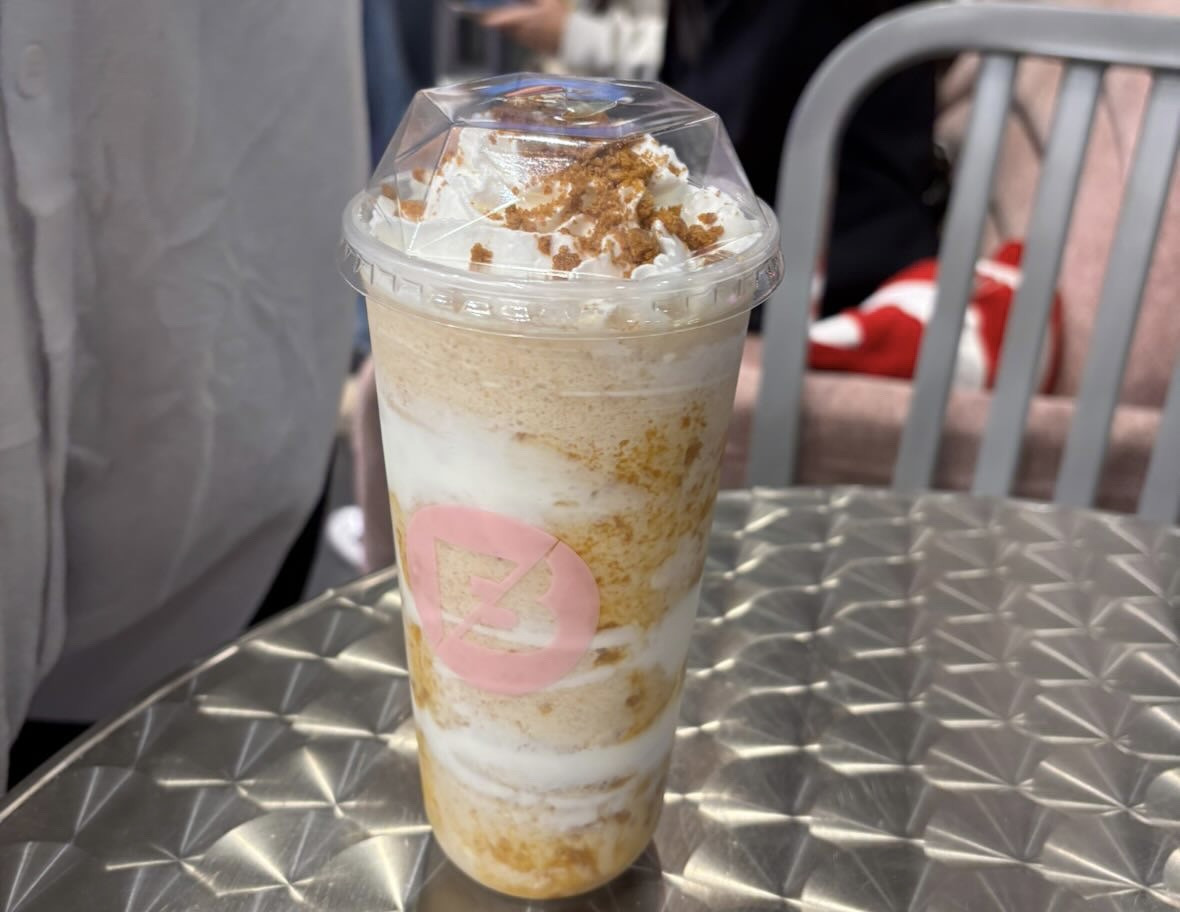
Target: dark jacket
{"points": [[749, 60]]}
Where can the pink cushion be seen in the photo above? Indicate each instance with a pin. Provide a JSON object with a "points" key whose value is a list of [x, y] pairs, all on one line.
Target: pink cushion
{"points": [[852, 428]]}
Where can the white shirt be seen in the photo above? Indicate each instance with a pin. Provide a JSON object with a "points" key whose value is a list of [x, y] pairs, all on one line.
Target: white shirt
{"points": [[625, 41], [173, 331]]}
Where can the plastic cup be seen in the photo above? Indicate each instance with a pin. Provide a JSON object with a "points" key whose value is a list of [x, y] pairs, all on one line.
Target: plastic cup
{"points": [[553, 447]]}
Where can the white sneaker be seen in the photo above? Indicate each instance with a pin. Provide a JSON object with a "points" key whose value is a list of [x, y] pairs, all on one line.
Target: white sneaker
{"points": [[345, 530]]}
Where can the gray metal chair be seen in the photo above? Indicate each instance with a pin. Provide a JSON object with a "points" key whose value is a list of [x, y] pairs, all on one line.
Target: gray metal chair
{"points": [[1088, 42]]}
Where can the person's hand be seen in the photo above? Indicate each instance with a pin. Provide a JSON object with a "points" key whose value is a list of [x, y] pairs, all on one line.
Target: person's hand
{"points": [[536, 24]]}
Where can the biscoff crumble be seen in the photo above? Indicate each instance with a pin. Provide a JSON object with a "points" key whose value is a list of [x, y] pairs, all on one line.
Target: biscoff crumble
{"points": [[480, 255], [565, 260], [606, 189], [413, 210]]}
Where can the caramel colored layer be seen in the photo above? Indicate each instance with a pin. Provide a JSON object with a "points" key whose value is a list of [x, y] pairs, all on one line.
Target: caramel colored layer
{"points": [[613, 410], [677, 467], [511, 849], [607, 711]]}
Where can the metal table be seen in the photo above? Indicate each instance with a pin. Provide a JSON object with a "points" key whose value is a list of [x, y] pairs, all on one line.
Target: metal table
{"points": [[931, 704]]}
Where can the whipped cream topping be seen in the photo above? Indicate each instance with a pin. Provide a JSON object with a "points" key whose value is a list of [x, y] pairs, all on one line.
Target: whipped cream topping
{"points": [[509, 203]]}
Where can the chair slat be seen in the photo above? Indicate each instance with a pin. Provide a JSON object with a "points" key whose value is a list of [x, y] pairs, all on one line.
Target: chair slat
{"points": [[1160, 499], [920, 440], [775, 435], [1122, 294], [1024, 338]]}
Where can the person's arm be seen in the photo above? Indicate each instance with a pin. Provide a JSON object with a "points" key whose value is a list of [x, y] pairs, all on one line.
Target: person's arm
{"points": [[617, 43], [625, 41]]}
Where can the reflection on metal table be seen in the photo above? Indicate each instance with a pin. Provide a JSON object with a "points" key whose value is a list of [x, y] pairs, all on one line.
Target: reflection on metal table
{"points": [[929, 703]]}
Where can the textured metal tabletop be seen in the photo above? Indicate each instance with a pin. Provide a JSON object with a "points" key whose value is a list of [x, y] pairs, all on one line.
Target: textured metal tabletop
{"points": [[931, 704]]}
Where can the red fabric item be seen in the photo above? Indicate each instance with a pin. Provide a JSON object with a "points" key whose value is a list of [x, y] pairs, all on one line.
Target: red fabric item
{"points": [[884, 334]]}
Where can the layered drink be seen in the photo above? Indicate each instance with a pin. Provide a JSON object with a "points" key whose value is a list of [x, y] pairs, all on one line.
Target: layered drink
{"points": [[558, 302]]}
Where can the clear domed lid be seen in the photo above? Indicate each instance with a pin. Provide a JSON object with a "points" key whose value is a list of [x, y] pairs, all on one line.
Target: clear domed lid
{"points": [[536, 177]]}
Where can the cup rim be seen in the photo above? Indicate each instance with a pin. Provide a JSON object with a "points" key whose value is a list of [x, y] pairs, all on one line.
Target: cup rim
{"points": [[361, 254]]}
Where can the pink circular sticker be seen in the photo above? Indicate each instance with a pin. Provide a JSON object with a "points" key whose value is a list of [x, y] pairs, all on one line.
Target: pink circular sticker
{"points": [[571, 599]]}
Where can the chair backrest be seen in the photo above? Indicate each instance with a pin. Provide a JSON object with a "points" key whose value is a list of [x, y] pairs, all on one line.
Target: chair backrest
{"points": [[1088, 42]]}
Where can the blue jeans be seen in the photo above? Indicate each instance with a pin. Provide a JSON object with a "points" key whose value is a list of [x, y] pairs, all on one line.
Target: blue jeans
{"points": [[397, 43]]}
